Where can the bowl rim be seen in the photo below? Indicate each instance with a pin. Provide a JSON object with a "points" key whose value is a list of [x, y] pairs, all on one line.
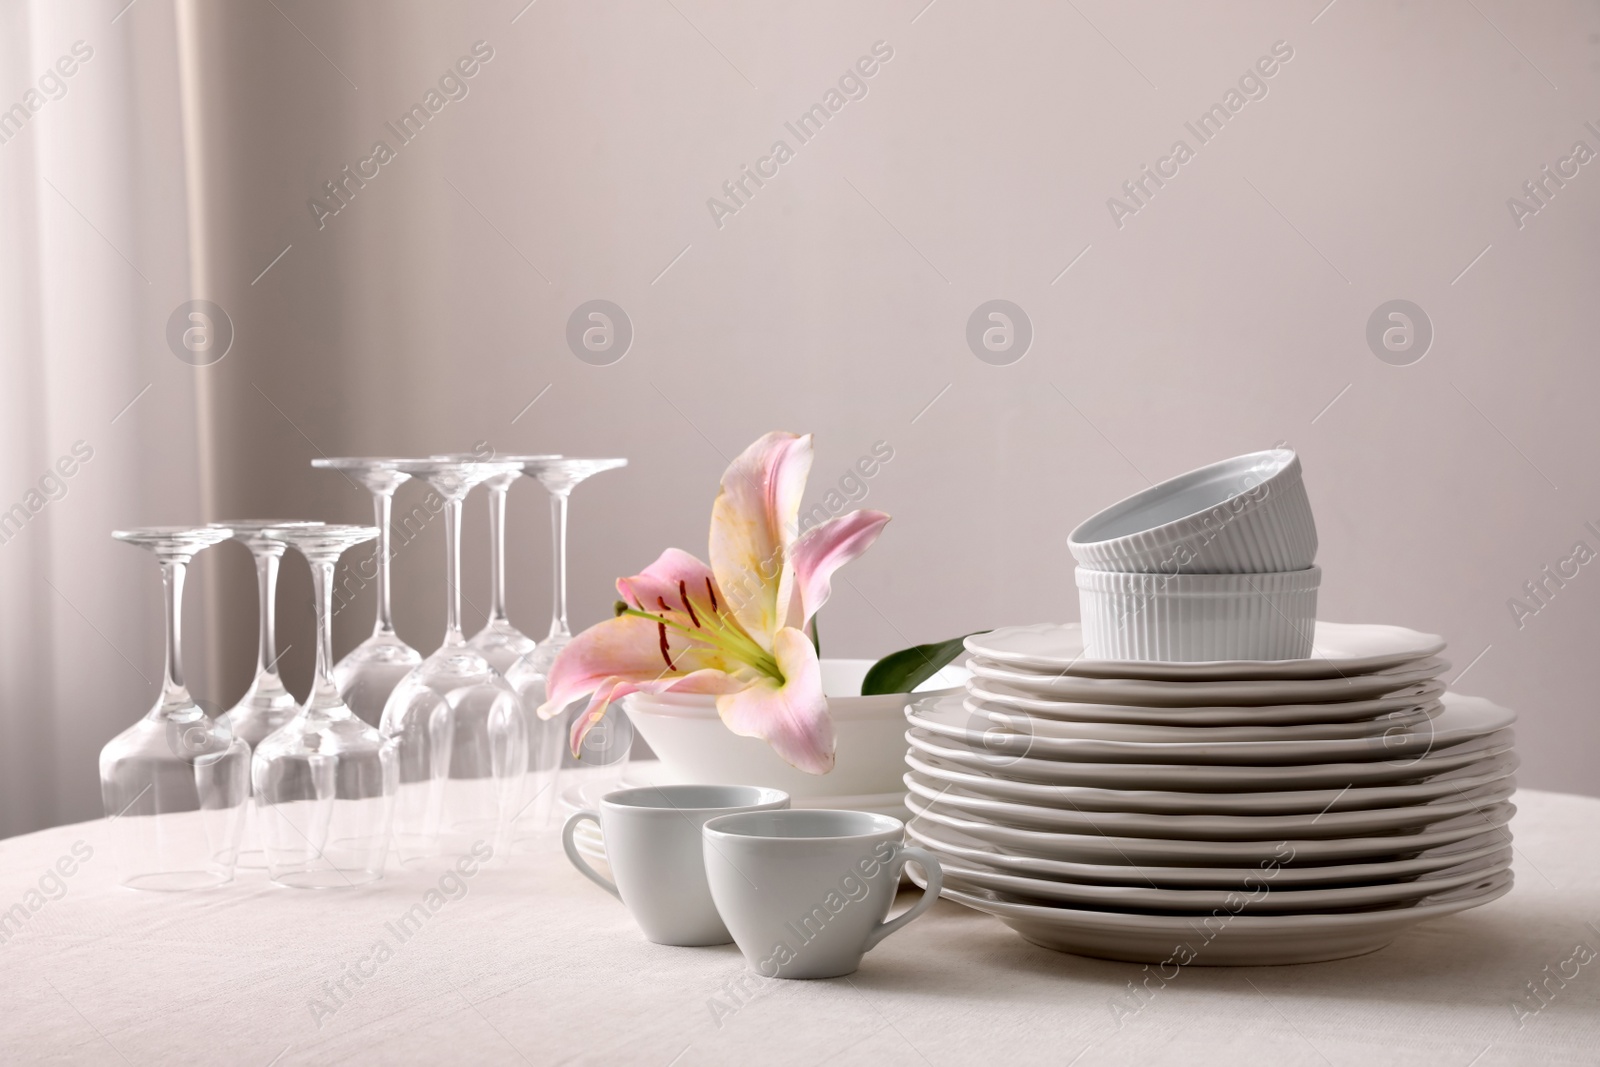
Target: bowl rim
{"points": [[846, 708]]}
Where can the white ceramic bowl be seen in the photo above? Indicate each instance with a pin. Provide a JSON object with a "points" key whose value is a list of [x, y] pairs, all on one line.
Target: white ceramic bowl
{"points": [[686, 733], [1248, 514], [1196, 617]]}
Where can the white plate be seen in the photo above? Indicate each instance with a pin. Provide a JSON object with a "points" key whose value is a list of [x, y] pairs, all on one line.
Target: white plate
{"points": [[1211, 777], [1463, 719], [1039, 726], [1209, 827], [1264, 896], [1211, 693], [1161, 802], [946, 841], [1337, 649], [1163, 852], [1004, 696], [1237, 940]]}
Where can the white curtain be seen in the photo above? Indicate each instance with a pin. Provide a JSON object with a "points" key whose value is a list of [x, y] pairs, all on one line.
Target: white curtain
{"points": [[97, 426]]}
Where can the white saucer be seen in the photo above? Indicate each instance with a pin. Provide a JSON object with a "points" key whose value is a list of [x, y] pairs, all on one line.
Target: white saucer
{"points": [[1210, 827], [1228, 939], [946, 841], [1209, 693], [1463, 719], [1338, 649], [1003, 696], [1478, 773], [1167, 852], [1211, 777]]}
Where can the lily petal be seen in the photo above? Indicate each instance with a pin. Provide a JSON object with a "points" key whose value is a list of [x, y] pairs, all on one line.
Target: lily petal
{"points": [[627, 649], [614, 689], [792, 717], [753, 522], [661, 581], [821, 551]]}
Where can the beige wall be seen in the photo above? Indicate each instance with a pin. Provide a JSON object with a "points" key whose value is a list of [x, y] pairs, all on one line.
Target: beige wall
{"points": [[1228, 313]]}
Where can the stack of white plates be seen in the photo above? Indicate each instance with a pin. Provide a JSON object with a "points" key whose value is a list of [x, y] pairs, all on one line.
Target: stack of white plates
{"points": [[587, 794], [1275, 811]]}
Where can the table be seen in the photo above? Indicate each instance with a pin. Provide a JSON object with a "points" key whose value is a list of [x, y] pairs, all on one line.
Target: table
{"points": [[530, 963]]}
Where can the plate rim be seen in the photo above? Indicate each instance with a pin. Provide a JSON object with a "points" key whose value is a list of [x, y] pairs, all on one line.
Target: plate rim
{"points": [[1505, 808], [1483, 867], [1236, 669], [1491, 843], [1214, 691], [1198, 819], [1510, 768], [1500, 883], [1426, 733]]}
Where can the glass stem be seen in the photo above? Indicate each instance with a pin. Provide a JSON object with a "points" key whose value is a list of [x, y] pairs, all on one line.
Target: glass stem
{"points": [[173, 691], [267, 592], [382, 506], [497, 555], [558, 537], [324, 694], [452, 572]]}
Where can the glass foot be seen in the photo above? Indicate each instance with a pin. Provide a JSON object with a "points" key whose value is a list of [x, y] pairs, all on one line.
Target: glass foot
{"points": [[177, 881]]}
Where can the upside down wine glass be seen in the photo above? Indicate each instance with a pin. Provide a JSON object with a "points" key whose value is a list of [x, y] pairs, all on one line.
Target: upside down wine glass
{"points": [[176, 783], [266, 705], [369, 672], [606, 744], [325, 782], [501, 643], [460, 728]]}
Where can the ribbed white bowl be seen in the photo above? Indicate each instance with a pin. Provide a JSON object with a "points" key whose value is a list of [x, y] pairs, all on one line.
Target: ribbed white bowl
{"points": [[1248, 514], [1197, 617]]}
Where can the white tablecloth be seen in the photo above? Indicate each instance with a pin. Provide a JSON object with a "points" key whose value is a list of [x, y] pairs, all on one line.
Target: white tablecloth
{"points": [[532, 964]]}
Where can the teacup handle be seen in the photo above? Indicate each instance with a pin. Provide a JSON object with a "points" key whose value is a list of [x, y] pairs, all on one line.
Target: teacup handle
{"points": [[571, 849], [935, 875]]}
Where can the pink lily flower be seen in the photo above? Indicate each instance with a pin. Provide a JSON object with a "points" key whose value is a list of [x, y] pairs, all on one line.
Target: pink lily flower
{"points": [[736, 628]]}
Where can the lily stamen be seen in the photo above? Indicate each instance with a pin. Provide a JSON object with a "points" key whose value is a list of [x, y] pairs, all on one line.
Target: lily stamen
{"points": [[664, 653], [683, 594], [732, 642]]}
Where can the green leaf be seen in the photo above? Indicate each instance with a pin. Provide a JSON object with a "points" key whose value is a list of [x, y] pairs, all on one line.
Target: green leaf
{"points": [[903, 671]]}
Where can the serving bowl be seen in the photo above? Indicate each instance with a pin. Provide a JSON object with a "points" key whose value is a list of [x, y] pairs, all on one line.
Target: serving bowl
{"points": [[687, 734]]}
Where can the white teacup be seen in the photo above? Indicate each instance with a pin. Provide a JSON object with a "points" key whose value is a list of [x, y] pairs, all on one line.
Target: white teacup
{"points": [[805, 892], [652, 837]]}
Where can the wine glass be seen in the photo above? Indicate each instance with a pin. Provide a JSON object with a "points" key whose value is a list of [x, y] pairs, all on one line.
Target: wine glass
{"points": [[460, 727], [176, 783], [529, 675], [325, 782], [266, 705], [501, 643], [369, 672]]}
